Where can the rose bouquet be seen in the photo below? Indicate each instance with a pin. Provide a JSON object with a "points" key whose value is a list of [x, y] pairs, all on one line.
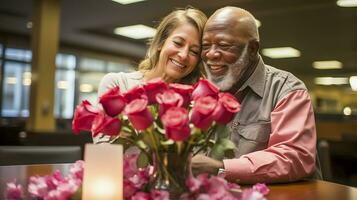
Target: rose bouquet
{"points": [[167, 123]]}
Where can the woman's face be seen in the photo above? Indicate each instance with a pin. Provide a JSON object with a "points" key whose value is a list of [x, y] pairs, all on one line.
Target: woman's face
{"points": [[180, 53]]}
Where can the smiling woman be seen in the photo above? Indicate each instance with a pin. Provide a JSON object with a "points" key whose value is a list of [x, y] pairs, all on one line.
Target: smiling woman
{"points": [[174, 52], [173, 55]]}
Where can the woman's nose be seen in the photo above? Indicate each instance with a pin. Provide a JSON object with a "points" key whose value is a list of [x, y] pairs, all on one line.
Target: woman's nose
{"points": [[183, 53]]}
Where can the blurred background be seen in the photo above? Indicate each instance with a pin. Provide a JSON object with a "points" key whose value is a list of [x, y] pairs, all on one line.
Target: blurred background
{"points": [[53, 54]]}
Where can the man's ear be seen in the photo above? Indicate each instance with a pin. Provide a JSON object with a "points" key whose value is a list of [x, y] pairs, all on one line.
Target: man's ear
{"points": [[253, 48]]}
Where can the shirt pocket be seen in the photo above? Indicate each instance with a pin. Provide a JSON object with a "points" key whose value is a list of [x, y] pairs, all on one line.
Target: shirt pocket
{"points": [[251, 137]]}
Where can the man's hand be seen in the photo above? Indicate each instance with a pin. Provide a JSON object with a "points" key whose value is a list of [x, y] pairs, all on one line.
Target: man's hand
{"points": [[203, 164]]}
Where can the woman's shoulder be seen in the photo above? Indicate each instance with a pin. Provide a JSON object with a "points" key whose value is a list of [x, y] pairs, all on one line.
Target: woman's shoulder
{"points": [[121, 79]]}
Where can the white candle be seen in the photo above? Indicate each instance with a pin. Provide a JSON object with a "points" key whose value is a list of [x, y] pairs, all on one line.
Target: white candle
{"points": [[103, 172]]}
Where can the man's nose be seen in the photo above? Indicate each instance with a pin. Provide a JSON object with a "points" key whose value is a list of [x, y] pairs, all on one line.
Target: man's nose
{"points": [[212, 53]]}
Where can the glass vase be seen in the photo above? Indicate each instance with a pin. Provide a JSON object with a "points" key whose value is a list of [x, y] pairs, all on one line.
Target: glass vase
{"points": [[171, 171]]}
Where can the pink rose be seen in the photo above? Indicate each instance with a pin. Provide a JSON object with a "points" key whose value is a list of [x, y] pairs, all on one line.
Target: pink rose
{"points": [[193, 184], [226, 108], [76, 170], [168, 99], [129, 188], [202, 111], [204, 88], [14, 191], [218, 188], [184, 90], [262, 188], [252, 194], [141, 196], [160, 195], [154, 87], [137, 92], [113, 102], [106, 125], [83, 117], [129, 164], [138, 114], [37, 187], [175, 121]]}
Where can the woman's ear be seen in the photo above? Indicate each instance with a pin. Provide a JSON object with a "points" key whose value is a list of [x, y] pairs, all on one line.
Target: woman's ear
{"points": [[159, 48]]}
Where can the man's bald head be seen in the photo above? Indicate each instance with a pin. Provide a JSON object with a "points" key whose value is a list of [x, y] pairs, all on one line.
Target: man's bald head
{"points": [[239, 19], [230, 46]]}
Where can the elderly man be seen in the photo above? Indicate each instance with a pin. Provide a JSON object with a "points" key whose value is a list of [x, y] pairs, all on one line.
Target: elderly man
{"points": [[274, 131]]}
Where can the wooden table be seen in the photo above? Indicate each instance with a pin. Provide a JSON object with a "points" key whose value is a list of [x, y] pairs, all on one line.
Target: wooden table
{"points": [[304, 190]]}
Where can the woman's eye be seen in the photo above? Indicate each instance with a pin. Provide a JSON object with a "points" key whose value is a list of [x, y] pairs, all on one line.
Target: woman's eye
{"points": [[194, 52], [178, 43]]}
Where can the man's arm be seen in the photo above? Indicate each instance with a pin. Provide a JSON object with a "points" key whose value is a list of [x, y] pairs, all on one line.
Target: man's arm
{"points": [[290, 154]]}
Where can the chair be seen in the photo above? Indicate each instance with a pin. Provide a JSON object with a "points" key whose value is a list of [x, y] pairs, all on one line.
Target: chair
{"points": [[323, 149], [25, 155]]}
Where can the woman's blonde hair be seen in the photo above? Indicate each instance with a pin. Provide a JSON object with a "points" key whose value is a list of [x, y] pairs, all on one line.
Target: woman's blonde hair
{"points": [[168, 24]]}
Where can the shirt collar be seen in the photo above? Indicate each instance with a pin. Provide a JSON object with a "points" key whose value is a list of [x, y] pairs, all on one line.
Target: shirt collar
{"points": [[256, 81]]}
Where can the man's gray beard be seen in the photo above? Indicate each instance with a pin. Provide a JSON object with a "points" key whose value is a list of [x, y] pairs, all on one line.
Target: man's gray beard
{"points": [[226, 82]]}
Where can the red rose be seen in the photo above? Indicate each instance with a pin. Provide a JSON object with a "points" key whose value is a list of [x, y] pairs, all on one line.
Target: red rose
{"points": [[175, 121], [202, 111], [137, 92], [106, 125], [138, 114], [168, 99], [113, 102], [184, 90], [154, 87], [204, 88], [84, 116], [226, 108]]}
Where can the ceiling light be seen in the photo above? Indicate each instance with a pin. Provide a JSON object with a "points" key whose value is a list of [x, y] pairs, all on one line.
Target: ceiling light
{"points": [[11, 80], [29, 25], [347, 111], [353, 83], [26, 75], [86, 88], [347, 3], [62, 85], [136, 31], [281, 52], [26, 81], [258, 23], [328, 64], [331, 81], [127, 1]]}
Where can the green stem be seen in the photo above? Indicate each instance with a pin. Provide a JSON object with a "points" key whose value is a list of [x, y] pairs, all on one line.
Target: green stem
{"points": [[132, 142], [210, 132], [156, 150]]}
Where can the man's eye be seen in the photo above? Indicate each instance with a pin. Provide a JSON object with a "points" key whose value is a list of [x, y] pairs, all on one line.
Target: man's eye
{"points": [[224, 46], [205, 46]]}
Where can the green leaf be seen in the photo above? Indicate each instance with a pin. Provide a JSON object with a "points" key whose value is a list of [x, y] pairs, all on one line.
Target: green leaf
{"points": [[167, 142], [78, 194], [142, 160], [141, 144], [126, 129], [122, 141], [221, 148]]}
